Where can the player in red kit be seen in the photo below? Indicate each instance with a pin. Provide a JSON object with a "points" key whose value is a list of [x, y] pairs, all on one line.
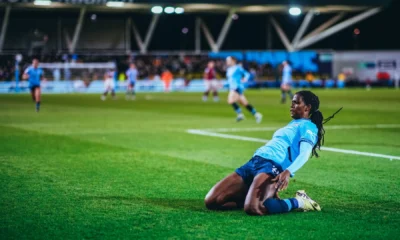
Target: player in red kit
{"points": [[210, 81]]}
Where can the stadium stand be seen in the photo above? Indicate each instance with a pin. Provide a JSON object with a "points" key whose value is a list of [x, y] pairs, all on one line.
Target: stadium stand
{"points": [[124, 31]]}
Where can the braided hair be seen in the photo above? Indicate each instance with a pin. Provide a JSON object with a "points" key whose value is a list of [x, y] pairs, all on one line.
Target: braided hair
{"points": [[316, 117]]}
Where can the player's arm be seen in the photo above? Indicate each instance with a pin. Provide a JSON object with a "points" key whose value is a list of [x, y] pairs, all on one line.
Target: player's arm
{"points": [[304, 155], [246, 74], [205, 74], [308, 138], [25, 76], [42, 77]]}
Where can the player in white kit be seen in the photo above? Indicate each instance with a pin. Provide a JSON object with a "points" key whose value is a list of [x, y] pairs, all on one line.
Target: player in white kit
{"points": [[109, 84]]}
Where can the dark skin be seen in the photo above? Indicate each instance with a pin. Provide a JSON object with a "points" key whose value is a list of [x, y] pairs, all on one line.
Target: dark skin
{"points": [[232, 193]]}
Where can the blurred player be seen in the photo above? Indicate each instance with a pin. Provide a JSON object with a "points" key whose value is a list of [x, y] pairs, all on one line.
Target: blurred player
{"points": [[34, 74], [167, 79], [286, 81], [109, 84], [131, 75], [210, 80], [255, 185], [236, 75]]}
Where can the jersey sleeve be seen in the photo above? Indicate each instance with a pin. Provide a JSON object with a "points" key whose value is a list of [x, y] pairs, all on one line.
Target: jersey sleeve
{"points": [[27, 70], [245, 73], [308, 133], [305, 152]]}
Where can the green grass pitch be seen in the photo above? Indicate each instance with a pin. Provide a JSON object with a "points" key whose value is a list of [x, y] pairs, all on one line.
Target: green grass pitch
{"points": [[83, 168]]}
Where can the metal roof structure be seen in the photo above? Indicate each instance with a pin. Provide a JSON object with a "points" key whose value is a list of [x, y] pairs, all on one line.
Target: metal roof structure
{"points": [[311, 8], [197, 6]]}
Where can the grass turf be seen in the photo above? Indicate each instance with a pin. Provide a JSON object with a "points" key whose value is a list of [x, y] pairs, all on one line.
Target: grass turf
{"points": [[83, 168]]}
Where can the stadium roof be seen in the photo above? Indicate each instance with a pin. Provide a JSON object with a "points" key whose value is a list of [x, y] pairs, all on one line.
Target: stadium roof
{"points": [[287, 2], [366, 8], [217, 6]]}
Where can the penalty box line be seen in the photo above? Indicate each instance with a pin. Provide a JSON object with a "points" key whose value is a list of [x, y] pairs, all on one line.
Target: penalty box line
{"points": [[251, 139], [332, 127]]}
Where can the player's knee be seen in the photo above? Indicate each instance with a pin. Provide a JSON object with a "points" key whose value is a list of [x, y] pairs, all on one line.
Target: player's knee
{"points": [[210, 202], [214, 202]]}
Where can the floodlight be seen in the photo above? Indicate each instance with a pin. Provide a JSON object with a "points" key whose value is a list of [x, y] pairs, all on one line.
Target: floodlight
{"points": [[179, 10], [42, 2], [294, 11], [115, 4], [169, 10], [156, 9]]}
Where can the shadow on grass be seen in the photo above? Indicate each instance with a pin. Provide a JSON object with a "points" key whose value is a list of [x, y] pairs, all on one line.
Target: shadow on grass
{"points": [[186, 204]]}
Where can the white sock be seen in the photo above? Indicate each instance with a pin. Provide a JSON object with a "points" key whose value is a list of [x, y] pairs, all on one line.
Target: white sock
{"points": [[300, 202]]}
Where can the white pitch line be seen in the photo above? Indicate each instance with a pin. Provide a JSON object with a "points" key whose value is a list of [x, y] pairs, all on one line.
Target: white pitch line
{"points": [[336, 127], [221, 135], [250, 139]]}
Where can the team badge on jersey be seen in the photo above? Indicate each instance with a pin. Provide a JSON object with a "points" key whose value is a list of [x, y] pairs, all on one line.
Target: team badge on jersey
{"points": [[312, 135]]}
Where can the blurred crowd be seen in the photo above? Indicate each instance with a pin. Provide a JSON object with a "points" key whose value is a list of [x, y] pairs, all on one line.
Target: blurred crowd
{"points": [[6, 69], [149, 67]]}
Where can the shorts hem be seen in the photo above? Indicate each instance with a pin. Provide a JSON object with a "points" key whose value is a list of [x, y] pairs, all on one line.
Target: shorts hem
{"points": [[34, 87]]}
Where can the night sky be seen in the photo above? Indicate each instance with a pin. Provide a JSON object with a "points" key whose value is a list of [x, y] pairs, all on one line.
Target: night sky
{"points": [[248, 32], [380, 31]]}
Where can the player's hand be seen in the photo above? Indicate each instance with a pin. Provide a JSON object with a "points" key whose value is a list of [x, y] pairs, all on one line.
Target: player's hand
{"points": [[277, 195], [282, 180]]}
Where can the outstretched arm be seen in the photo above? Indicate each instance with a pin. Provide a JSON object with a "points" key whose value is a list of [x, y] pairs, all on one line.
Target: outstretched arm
{"points": [[305, 152], [283, 178]]}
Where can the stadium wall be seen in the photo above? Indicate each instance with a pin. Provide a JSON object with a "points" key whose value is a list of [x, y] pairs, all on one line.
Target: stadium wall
{"points": [[361, 68], [367, 65], [178, 85]]}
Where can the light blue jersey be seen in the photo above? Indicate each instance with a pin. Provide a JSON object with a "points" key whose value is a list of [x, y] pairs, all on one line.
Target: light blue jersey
{"points": [[287, 75], [284, 148], [132, 75], [235, 74], [35, 74]]}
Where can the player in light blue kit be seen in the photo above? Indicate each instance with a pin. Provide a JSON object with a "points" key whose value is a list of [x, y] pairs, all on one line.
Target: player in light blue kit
{"points": [[286, 81], [236, 75], [255, 185], [131, 75], [34, 74]]}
